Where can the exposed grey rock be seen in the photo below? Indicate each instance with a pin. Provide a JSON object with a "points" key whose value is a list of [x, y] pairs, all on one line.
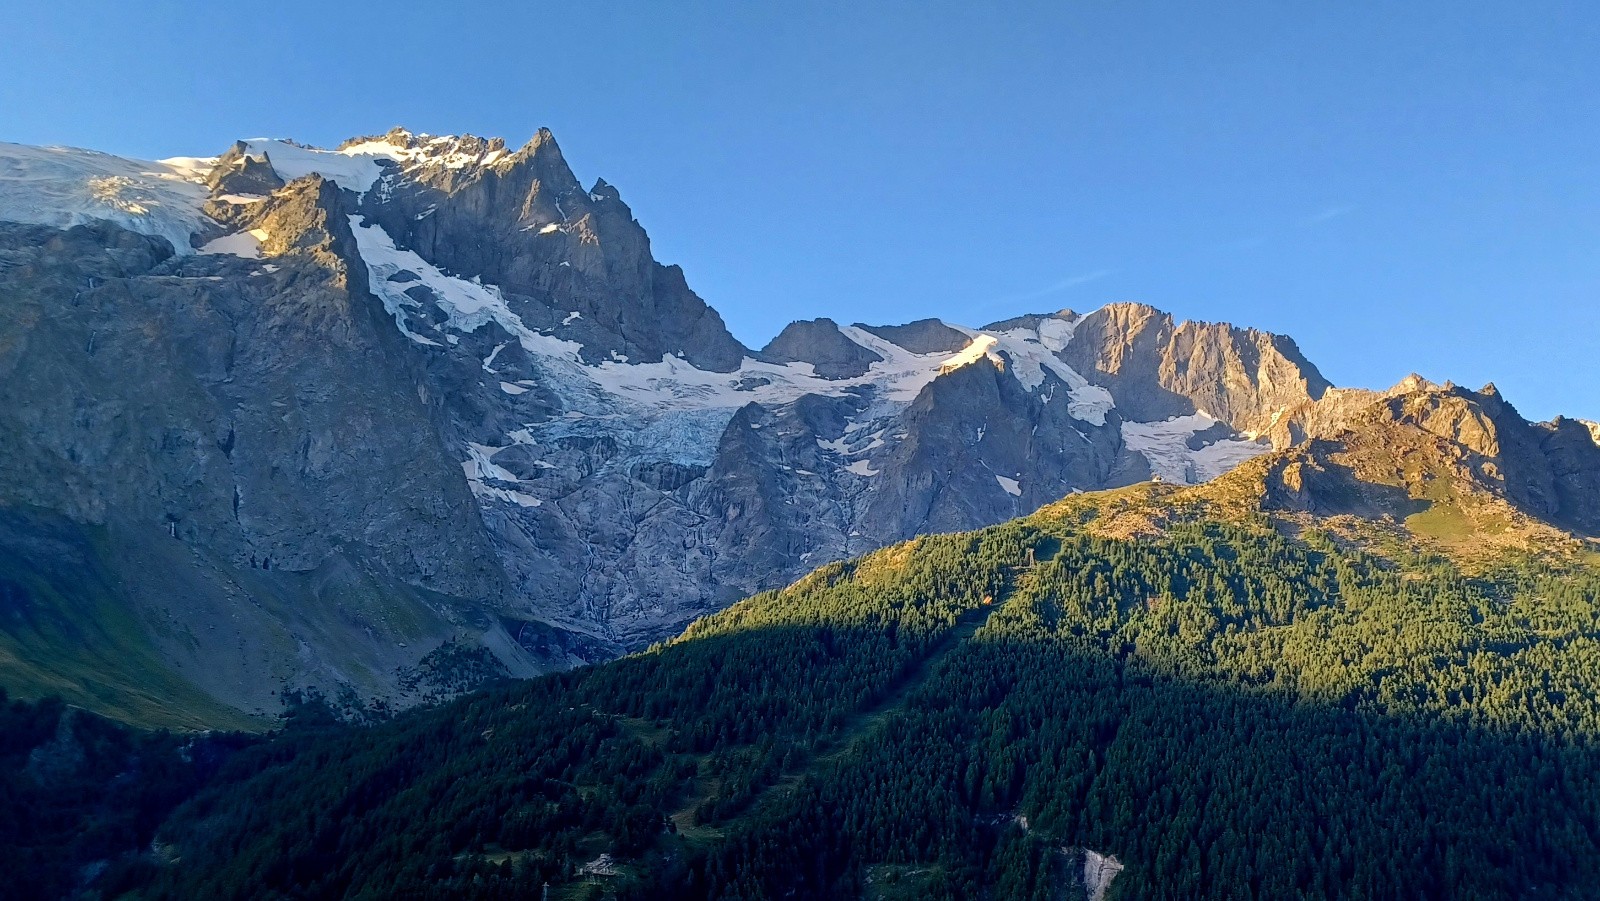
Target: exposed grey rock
{"points": [[1030, 320], [820, 343], [1158, 368], [924, 336], [275, 504], [979, 448], [238, 172], [524, 223], [1097, 871]]}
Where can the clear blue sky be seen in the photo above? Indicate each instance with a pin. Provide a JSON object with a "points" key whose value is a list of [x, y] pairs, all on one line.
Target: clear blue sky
{"points": [[1399, 185]]}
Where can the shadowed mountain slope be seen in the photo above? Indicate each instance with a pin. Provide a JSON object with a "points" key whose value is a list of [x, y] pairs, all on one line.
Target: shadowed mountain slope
{"points": [[1268, 685]]}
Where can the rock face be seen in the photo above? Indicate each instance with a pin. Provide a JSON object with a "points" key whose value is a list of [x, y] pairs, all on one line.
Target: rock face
{"points": [[245, 473], [1158, 368], [1421, 447], [426, 390], [1593, 427], [820, 343], [522, 221]]}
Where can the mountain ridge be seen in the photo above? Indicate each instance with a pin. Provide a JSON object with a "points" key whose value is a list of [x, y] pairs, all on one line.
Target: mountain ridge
{"points": [[975, 714], [565, 453]]}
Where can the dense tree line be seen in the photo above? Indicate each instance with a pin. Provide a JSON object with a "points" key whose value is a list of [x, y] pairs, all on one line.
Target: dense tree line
{"points": [[81, 796], [1229, 711]]}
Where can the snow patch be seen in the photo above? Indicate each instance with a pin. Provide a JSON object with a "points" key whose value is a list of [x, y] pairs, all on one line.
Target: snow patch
{"points": [[478, 468], [503, 494], [1010, 486], [836, 445], [488, 362], [469, 305], [358, 166], [1032, 352], [240, 244], [349, 169], [63, 186], [862, 468], [972, 353], [1166, 446]]}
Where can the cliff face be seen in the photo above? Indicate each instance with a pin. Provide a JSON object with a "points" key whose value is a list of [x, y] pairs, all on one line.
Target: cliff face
{"points": [[1458, 465], [247, 471], [1158, 368]]}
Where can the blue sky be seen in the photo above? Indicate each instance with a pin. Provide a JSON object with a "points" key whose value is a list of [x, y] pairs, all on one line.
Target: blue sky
{"points": [[1401, 186]]}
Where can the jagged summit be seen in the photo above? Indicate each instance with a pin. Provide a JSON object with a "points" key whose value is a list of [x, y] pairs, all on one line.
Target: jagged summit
{"points": [[423, 143], [1161, 368]]}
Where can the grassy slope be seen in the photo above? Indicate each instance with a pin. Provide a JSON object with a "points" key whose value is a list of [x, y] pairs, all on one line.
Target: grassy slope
{"points": [[73, 634]]}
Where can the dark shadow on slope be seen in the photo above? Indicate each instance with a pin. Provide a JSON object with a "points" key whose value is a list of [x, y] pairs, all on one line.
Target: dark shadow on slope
{"points": [[1177, 704], [68, 629]]}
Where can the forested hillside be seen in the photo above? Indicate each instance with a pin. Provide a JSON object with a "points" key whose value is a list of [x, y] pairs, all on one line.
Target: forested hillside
{"points": [[1229, 703]]}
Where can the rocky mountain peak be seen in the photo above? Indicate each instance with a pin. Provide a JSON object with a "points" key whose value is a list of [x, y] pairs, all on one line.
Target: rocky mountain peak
{"points": [[423, 145], [1465, 458], [820, 343], [1160, 368], [924, 336], [524, 223], [1413, 382]]}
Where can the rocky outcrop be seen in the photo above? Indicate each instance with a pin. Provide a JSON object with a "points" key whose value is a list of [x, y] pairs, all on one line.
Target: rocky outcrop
{"points": [[241, 175], [820, 343], [1158, 368], [1420, 445], [1089, 873]]}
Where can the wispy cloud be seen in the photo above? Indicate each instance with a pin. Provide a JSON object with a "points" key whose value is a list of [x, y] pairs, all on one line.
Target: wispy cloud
{"points": [[1281, 230], [1332, 212], [1065, 284]]}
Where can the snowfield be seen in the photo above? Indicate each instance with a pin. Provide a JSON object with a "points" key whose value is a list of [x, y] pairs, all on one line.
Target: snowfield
{"points": [[669, 410], [65, 186]]}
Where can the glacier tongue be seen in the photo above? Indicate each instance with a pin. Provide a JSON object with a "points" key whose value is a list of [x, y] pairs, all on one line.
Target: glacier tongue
{"points": [[65, 186], [1169, 447]]}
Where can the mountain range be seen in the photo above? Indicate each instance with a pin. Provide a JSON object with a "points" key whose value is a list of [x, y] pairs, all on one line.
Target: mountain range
{"points": [[1361, 666], [310, 452], [383, 419]]}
